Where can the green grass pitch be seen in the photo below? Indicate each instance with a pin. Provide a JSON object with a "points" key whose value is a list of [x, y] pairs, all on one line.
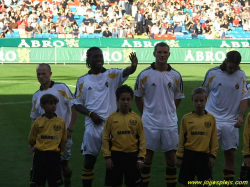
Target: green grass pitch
{"points": [[17, 85]]}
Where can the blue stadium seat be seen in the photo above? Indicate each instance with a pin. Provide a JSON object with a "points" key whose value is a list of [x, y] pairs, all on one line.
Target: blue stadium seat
{"points": [[241, 31], [46, 35], [232, 28], [234, 32], [200, 36], [247, 32], [53, 35], [16, 35], [98, 35], [1, 31], [8, 35], [178, 36], [38, 36], [54, 19], [93, 7], [91, 36], [83, 36], [239, 28], [15, 31], [187, 36], [72, 8], [76, 16]]}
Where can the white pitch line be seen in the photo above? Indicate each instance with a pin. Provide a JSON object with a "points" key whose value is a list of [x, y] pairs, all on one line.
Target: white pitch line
{"points": [[30, 83], [14, 103]]}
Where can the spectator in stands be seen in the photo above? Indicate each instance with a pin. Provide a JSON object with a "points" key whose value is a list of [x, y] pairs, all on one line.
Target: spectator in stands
{"points": [[37, 30], [90, 29], [67, 28], [22, 23], [170, 29], [82, 28], [246, 26], [237, 22], [13, 24], [163, 28], [70, 16], [45, 28], [2, 35], [114, 33], [29, 30], [60, 28], [207, 31], [7, 28], [198, 29], [177, 28], [140, 20], [5, 19], [188, 21], [34, 23], [154, 30], [97, 27], [121, 32], [75, 31], [120, 12], [107, 33], [87, 20], [129, 34]]}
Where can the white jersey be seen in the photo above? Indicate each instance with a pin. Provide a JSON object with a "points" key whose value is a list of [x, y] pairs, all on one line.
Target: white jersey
{"points": [[225, 92], [97, 92], [63, 108], [159, 90]]}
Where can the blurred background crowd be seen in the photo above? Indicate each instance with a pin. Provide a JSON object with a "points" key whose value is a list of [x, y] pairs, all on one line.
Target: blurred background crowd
{"points": [[207, 19]]}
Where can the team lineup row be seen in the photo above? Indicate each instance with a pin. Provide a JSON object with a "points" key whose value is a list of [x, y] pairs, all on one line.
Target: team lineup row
{"points": [[158, 92]]}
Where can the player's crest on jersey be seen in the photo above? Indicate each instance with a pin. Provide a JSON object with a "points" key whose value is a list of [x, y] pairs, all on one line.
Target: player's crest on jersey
{"points": [[57, 127], [107, 84], [169, 84], [132, 122], [85, 148], [237, 86], [207, 124]]}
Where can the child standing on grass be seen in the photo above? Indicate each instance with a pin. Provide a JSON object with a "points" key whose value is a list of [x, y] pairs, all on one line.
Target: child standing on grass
{"points": [[198, 144], [48, 136], [124, 145]]}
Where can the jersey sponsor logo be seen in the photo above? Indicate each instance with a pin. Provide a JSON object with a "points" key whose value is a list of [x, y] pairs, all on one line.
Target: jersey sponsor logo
{"points": [[199, 133], [190, 122], [57, 127], [237, 86], [207, 124], [125, 132], [115, 121], [89, 88], [153, 84], [169, 84], [132, 122], [49, 137], [107, 84]]}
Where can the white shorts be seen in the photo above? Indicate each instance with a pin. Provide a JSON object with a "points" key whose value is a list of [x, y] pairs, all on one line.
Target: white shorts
{"points": [[67, 152], [92, 139], [168, 139], [228, 136]]}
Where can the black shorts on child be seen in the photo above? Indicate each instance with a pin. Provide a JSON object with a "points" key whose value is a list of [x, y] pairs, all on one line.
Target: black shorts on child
{"points": [[47, 167], [124, 164], [195, 164]]}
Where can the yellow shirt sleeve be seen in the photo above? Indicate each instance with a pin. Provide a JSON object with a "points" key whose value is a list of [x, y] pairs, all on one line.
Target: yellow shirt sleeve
{"points": [[64, 139], [142, 145], [183, 131], [214, 146], [106, 139]]}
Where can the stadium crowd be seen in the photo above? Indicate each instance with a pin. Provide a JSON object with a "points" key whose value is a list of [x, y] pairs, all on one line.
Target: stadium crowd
{"points": [[125, 18]]}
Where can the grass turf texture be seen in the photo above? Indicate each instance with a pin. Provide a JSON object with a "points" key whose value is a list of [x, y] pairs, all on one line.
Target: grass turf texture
{"points": [[17, 85]]}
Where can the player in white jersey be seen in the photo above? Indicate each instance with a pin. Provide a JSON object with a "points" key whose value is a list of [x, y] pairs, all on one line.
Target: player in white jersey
{"points": [[63, 93], [228, 96], [96, 91], [161, 87]]}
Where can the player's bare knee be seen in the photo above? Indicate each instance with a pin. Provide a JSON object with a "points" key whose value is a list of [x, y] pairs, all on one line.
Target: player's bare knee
{"points": [[170, 157], [149, 156]]}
